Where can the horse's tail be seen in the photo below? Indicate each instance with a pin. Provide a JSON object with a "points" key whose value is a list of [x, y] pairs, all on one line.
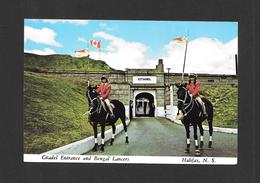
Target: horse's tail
{"points": [[123, 118], [209, 108], [210, 122], [120, 111]]}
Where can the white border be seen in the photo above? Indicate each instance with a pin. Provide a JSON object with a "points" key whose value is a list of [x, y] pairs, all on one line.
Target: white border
{"points": [[43, 158]]}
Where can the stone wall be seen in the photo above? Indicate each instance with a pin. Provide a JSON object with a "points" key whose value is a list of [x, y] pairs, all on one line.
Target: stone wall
{"points": [[120, 92], [206, 79], [123, 87]]}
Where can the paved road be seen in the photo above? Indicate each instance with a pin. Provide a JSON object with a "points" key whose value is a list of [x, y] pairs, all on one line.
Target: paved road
{"points": [[161, 137]]}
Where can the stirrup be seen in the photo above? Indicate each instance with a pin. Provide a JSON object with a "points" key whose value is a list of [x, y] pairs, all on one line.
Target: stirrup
{"points": [[112, 115], [204, 116]]}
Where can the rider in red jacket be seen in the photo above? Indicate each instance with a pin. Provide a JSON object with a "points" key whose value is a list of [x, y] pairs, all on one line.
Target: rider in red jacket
{"points": [[193, 88], [104, 91]]}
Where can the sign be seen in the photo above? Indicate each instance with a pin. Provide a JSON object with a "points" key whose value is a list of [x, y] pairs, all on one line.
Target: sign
{"points": [[144, 80]]}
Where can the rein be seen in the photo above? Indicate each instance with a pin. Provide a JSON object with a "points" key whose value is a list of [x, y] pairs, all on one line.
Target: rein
{"points": [[186, 105], [98, 109]]}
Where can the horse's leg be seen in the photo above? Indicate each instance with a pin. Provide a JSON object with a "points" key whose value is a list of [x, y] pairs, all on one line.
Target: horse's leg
{"points": [[201, 134], [95, 137], [187, 128], [197, 151], [113, 134], [210, 122], [210, 132], [102, 136], [125, 127]]}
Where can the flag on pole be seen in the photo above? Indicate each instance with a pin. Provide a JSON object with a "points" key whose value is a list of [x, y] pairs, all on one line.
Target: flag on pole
{"points": [[181, 39], [95, 43], [82, 53]]}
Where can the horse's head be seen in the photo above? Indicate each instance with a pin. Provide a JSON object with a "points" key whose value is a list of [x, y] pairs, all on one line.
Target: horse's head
{"points": [[182, 94], [91, 93]]}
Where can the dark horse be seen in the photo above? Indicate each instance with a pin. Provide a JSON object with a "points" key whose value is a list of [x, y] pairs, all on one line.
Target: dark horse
{"points": [[99, 115], [193, 116]]}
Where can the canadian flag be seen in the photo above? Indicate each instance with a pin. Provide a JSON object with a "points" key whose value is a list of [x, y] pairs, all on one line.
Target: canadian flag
{"points": [[95, 43]]}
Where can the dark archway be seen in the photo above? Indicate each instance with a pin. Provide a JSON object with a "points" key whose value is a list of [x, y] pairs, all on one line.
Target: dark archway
{"points": [[144, 104]]}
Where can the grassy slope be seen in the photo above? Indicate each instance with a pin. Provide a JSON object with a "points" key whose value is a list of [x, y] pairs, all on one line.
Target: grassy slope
{"points": [[54, 109], [53, 112], [225, 102], [62, 63]]}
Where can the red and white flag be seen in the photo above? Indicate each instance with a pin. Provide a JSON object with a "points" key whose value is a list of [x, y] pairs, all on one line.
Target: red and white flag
{"points": [[81, 53], [95, 43], [181, 39]]}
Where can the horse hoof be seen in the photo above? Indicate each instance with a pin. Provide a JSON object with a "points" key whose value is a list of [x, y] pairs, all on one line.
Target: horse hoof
{"points": [[95, 148], [126, 140], [187, 150], [197, 152], [111, 142], [102, 148], [201, 145], [210, 145]]}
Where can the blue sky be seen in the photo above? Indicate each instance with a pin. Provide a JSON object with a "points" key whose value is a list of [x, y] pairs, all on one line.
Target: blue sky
{"points": [[154, 37]]}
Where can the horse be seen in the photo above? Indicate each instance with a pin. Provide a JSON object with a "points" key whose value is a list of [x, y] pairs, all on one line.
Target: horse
{"points": [[193, 116], [99, 115]]}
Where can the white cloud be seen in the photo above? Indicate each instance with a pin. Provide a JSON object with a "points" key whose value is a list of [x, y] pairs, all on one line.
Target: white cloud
{"points": [[45, 51], [81, 39], [121, 54], [76, 22], [43, 36], [204, 55]]}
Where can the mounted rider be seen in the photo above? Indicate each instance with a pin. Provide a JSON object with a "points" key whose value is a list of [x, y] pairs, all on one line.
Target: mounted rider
{"points": [[104, 91], [193, 88]]}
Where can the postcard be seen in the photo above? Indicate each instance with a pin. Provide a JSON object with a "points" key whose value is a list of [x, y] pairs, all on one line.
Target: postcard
{"points": [[130, 91]]}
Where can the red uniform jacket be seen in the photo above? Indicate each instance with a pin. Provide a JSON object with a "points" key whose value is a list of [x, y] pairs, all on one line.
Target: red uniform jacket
{"points": [[194, 89], [104, 90]]}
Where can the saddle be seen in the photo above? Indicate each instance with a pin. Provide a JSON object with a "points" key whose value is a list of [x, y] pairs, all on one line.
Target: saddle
{"points": [[200, 107], [105, 107]]}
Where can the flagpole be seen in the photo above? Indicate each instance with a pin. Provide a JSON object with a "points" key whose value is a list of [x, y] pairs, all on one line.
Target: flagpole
{"points": [[88, 82], [186, 47], [88, 64], [99, 49]]}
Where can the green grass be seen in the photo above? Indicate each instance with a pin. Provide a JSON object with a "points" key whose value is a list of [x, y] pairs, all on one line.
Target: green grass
{"points": [[53, 112], [225, 103], [54, 109], [38, 63]]}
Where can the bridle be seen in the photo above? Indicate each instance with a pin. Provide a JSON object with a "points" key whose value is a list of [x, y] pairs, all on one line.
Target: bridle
{"points": [[98, 109], [186, 105]]}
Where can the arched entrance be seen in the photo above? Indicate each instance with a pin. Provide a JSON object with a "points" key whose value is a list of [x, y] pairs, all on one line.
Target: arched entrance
{"points": [[144, 104]]}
